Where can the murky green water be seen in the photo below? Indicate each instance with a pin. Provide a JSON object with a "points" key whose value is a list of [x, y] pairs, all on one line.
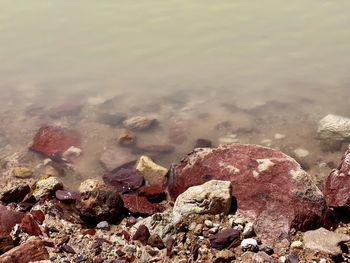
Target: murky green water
{"points": [[196, 59]]}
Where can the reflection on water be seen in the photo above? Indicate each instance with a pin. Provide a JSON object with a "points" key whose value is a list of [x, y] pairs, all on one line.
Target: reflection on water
{"points": [[252, 69]]}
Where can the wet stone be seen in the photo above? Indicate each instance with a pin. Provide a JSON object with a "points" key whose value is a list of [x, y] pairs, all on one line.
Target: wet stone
{"points": [[139, 123], [103, 225], [224, 239], [111, 119], [138, 204], [125, 180], [126, 137], [38, 216], [30, 226], [153, 193], [153, 173], [142, 234], [15, 195], [155, 241], [65, 109], [22, 172], [67, 196], [116, 157]]}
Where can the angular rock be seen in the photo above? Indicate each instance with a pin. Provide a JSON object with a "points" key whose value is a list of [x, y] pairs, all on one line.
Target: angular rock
{"points": [[53, 141], [126, 137], [117, 157], [22, 172], [156, 241], [102, 204], [224, 256], [8, 219], [67, 196], [153, 193], [46, 186], [15, 195], [270, 187], [30, 226], [32, 250], [325, 241], [111, 119], [177, 133], [142, 234], [6, 243], [137, 204], [124, 180], [337, 185], [153, 173], [262, 257], [38, 216], [89, 185], [333, 127], [225, 239], [139, 123], [213, 197], [169, 244]]}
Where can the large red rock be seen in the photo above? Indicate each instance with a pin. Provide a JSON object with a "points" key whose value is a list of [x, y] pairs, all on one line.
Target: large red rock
{"points": [[53, 141], [30, 251], [270, 187], [337, 185], [8, 219]]}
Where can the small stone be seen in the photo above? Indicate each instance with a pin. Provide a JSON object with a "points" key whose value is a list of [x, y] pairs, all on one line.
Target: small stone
{"points": [[334, 127], [116, 157], [279, 136], [301, 153], [325, 241], [153, 173], [67, 196], [169, 244], [138, 204], [71, 153], [153, 193], [156, 241], [198, 230], [323, 260], [224, 239], [6, 243], [15, 195], [89, 185], [142, 234], [68, 249], [208, 223], [249, 244], [103, 225], [22, 172], [262, 257], [139, 123], [30, 251], [38, 216], [46, 186], [8, 219], [213, 230], [297, 244], [125, 180], [248, 230], [224, 256], [292, 258], [30, 226], [126, 137]]}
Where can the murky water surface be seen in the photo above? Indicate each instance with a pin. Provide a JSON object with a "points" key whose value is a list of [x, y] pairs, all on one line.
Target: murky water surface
{"points": [[245, 70]]}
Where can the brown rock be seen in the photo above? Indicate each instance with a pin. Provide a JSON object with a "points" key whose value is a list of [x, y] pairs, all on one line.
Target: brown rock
{"points": [[30, 226], [169, 244], [225, 238], [124, 180], [270, 187], [337, 185], [53, 141], [156, 241], [38, 215], [8, 219], [116, 157], [138, 204], [139, 123], [126, 137], [153, 193], [6, 243], [15, 195], [142, 234], [32, 250]]}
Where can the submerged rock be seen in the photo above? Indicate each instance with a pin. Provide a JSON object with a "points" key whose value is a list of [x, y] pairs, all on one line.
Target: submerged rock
{"points": [[89, 185], [126, 137], [153, 173], [111, 119], [53, 141], [333, 127], [337, 185], [65, 109], [213, 197], [116, 157], [325, 241], [270, 187], [22, 172], [139, 123], [46, 186], [124, 180], [67, 196]]}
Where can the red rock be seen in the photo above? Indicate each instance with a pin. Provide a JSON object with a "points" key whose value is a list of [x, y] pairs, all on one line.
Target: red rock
{"points": [[30, 226], [8, 219], [270, 187], [53, 141], [125, 180], [117, 157], [169, 244], [142, 234], [67, 196], [30, 251], [154, 193], [38, 215], [139, 204], [225, 238], [337, 185]]}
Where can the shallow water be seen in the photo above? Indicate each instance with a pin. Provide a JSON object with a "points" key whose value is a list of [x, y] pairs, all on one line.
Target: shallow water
{"points": [[271, 67]]}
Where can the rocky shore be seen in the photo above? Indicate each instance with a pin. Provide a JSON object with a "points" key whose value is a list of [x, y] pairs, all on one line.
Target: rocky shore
{"points": [[237, 202]]}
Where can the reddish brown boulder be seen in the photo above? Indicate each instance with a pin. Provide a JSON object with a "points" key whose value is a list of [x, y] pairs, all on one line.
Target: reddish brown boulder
{"points": [[32, 250], [337, 185], [8, 219], [30, 226], [52, 141], [138, 204], [270, 187]]}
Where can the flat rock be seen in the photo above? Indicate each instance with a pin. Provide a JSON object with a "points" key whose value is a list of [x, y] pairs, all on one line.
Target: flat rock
{"points": [[337, 185], [8, 219], [213, 197], [32, 250], [334, 127], [325, 241], [153, 193], [139, 123], [126, 137], [124, 180], [67, 196], [153, 173], [53, 141], [30, 226], [116, 157], [270, 187], [138, 204], [111, 119]]}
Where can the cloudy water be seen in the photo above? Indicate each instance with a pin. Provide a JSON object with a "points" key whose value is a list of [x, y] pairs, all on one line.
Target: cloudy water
{"points": [[227, 71]]}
